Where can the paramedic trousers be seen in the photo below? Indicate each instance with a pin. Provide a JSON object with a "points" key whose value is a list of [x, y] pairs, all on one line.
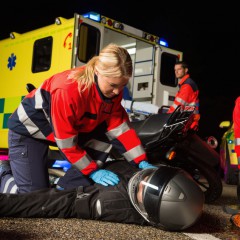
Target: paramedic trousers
{"points": [[29, 158]]}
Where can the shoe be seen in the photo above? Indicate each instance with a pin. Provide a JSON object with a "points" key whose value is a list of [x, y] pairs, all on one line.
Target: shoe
{"points": [[231, 209], [4, 167], [235, 220]]}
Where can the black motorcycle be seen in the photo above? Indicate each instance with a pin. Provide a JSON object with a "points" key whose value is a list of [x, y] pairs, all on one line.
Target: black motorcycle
{"points": [[168, 139]]}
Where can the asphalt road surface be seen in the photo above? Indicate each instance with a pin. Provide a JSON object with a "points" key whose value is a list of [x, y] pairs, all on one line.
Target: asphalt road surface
{"points": [[214, 224]]}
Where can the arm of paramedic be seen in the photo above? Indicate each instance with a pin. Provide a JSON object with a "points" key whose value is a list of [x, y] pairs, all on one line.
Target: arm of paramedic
{"points": [[123, 137], [236, 126], [183, 97], [64, 109]]}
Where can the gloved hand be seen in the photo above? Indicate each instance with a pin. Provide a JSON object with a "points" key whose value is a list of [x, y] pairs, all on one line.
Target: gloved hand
{"points": [[145, 164], [104, 177]]}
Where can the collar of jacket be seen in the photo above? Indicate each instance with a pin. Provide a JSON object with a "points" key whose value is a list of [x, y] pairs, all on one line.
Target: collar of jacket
{"points": [[100, 95], [184, 79]]}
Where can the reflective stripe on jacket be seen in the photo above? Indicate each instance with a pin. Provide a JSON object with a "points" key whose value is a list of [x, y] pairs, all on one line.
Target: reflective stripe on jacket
{"points": [[187, 94]]}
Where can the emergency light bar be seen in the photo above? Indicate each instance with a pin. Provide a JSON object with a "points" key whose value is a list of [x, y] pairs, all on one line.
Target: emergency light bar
{"points": [[92, 15], [163, 42], [112, 23]]}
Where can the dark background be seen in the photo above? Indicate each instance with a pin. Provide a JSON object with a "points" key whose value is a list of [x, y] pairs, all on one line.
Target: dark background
{"points": [[207, 35]]}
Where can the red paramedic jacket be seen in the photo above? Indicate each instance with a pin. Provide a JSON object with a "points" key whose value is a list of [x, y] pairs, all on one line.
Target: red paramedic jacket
{"points": [[57, 112], [236, 127], [188, 95]]}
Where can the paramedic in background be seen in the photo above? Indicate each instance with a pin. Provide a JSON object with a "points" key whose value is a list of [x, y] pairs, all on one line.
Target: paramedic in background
{"points": [[188, 93], [80, 110], [235, 218]]}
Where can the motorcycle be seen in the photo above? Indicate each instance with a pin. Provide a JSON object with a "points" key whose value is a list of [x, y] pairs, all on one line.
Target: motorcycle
{"points": [[169, 140]]}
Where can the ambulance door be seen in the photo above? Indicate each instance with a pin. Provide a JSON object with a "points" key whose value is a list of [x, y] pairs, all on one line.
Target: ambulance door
{"points": [[143, 75], [91, 36], [165, 84], [87, 42]]}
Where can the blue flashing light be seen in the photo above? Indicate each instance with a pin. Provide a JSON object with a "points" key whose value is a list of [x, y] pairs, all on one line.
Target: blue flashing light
{"points": [[92, 15], [163, 42], [230, 141], [64, 164]]}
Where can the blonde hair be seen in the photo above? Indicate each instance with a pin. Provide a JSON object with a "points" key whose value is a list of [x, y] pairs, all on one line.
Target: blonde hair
{"points": [[113, 61]]}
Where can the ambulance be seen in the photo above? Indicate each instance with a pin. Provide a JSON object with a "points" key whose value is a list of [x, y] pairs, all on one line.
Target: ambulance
{"points": [[34, 56]]}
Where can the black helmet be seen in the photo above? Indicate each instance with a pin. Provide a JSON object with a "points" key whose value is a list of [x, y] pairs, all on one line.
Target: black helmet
{"points": [[170, 198]]}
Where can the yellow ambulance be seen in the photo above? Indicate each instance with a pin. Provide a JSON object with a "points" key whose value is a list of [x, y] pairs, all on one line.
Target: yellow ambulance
{"points": [[34, 56]]}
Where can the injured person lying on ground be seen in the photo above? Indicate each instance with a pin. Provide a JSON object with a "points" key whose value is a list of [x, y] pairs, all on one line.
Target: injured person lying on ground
{"points": [[164, 197]]}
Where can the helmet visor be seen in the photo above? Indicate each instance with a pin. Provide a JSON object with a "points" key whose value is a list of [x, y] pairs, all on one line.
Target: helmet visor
{"points": [[137, 187]]}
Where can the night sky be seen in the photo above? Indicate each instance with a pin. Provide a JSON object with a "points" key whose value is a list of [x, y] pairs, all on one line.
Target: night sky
{"points": [[207, 36]]}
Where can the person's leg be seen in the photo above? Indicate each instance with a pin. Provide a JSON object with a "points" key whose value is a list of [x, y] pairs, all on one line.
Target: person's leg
{"points": [[45, 203], [28, 160], [4, 168], [7, 183]]}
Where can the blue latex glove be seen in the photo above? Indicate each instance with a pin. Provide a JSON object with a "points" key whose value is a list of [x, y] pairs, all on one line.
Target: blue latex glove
{"points": [[104, 177], [145, 164]]}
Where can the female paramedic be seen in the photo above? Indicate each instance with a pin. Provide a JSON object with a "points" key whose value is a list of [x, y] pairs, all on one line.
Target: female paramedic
{"points": [[80, 110]]}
